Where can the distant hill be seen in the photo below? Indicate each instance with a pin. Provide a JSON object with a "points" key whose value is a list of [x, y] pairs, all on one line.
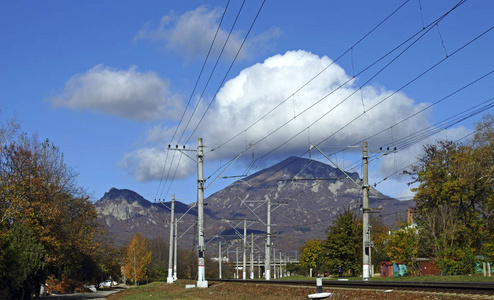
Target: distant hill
{"points": [[125, 212], [306, 196]]}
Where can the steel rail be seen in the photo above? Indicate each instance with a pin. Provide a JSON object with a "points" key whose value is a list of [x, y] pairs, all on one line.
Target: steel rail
{"points": [[480, 287]]}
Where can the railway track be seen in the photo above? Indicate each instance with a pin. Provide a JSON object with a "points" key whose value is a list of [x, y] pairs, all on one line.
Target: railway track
{"points": [[478, 288]]}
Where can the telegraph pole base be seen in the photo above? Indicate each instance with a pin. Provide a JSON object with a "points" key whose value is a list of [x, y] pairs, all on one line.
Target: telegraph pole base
{"points": [[202, 284]]}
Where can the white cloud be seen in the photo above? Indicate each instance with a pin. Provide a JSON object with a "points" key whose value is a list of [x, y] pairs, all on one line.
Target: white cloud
{"points": [[258, 89], [191, 34], [147, 164], [159, 134], [127, 94], [261, 87]]}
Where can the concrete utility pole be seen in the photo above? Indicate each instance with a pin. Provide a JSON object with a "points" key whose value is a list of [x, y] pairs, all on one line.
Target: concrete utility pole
{"points": [[169, 279], [267, 263], [252, 257], [201, 270], [365, 219], [281, 270], [274, 263], [236, 252], [244, 261], [219, 259], [175, 238], [259, 264]]}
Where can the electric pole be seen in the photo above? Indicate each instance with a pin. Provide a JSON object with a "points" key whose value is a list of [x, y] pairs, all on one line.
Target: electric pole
{"points": [[252, 257], [175, 238], [244, 261], [236, 253], [365, 209], [169, 279], [201, 270], [219, 259], [267, 263], [274, 263]]}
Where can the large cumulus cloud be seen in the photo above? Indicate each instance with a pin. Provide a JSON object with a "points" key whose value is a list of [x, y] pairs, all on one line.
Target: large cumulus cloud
{"points": [[326, 105], [318, 111]]}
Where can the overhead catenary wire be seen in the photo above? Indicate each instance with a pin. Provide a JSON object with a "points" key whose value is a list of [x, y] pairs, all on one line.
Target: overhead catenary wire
{"points": [[228, 71], [224, 79], [192, 94], [316, 75], [387, 97], [427, 29], [415, 162], [212, 71]]}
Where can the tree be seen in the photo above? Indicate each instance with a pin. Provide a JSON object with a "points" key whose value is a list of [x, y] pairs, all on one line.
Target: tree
{"points": [[138, 258], [379, 234], [455, 198], [21, 263], [343, 244], [402, 246], [38, 191], [311, 255]]}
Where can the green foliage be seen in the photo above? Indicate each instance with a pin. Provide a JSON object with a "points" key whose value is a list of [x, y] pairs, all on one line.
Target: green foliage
{"points": [[22, 263], [455, 199], [456, 260], [302, 229], [296, 269], [343, 244], [159, 273], [379, 235], [403, 245], [311, 255], [38, 191]]}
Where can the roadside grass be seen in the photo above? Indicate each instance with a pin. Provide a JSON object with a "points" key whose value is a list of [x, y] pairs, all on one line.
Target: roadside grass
{"points": [[222, 290], [468, 278]]}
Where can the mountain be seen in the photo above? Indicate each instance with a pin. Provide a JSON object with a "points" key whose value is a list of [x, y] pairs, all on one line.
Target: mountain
{"points": [[125, 212], [305, 195]]}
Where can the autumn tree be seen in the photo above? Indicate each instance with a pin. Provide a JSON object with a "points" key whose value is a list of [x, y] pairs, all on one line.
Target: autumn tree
{"points": [[38, 190], [402, 246], [379, 234], [455, 184], [311, 256], [137, 258], [343, 244]]}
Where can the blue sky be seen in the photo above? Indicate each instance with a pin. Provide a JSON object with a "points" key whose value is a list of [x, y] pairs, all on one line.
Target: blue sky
{"points": [[108, 82]]}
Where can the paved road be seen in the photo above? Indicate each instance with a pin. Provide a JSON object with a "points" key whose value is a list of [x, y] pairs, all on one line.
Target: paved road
{"points": [[100, 295]]}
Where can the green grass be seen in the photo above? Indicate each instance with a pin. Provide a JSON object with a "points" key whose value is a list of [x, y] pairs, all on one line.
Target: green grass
{"points": [[476, 278]]}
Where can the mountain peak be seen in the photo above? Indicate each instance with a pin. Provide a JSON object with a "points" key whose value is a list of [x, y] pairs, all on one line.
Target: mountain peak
{"points": [[303, 168], [128, 195]]}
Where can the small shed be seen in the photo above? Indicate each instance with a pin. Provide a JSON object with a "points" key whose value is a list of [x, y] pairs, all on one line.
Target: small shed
{"points": [[428, 267], [387, 269]]}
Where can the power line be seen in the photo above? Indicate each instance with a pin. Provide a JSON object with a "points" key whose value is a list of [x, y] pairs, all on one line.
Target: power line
{"points": [[212, 71], [430, 26], [387, 97], [191, 95], [231, 65], [228, 71]]}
